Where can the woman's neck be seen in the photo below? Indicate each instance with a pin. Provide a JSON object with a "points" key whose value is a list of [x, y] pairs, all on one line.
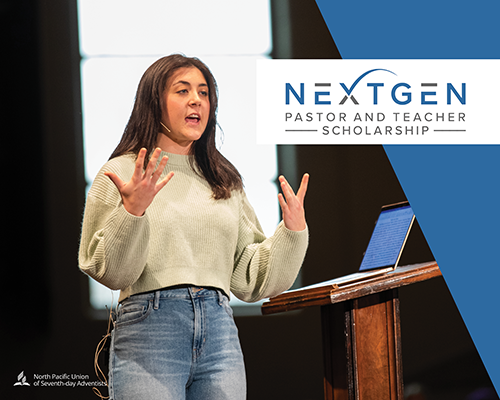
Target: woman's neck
{"points": [[167, 144]]}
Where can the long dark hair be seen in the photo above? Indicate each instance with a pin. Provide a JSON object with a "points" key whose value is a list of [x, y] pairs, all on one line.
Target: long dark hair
{"points": [[144, 124]]}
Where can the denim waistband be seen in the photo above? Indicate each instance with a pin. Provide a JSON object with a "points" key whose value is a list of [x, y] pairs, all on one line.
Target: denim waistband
{"points": [[184, 292]]}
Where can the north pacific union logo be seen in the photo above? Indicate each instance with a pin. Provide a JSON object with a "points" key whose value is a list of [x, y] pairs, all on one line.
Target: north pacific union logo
{"points": [[21, 380]]}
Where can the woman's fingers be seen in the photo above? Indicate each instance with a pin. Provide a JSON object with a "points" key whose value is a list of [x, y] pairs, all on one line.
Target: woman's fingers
{"points": [[138, 193], [156, 175], [160, 185], [293, 205], [139, 164], [150, 172], [301, 193], [287, 189], [282, 202], [115, 179], [150, 169]]}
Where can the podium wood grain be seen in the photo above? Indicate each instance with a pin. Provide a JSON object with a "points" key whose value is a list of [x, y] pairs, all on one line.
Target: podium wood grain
{"points": [[361, 332]]}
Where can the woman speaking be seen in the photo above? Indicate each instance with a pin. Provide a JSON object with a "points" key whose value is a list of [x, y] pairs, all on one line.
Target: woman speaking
{"points": [[167, 223]]}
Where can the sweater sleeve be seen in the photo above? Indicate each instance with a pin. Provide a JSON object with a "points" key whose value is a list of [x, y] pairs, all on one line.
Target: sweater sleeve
{"points": [[114, 243], [265, 267]]}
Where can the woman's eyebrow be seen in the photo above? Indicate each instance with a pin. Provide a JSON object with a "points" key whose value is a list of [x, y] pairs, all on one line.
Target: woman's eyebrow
{"points": [[187, 83]]}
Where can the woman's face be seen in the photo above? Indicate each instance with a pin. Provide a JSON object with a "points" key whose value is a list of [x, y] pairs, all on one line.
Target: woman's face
{"points": [[186, 110]]}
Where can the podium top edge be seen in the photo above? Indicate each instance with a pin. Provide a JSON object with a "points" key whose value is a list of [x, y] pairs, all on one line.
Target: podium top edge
{"points": [[319, 294]]}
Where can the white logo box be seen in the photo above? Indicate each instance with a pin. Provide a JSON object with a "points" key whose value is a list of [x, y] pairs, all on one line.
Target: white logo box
{"points": [[378, 101]]}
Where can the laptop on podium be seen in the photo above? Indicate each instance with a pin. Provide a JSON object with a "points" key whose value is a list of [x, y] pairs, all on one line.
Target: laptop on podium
{"points": [[385, 246]]}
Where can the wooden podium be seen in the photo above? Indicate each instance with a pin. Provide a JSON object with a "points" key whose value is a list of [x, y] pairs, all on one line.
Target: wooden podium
{"points": [[361, 331]]}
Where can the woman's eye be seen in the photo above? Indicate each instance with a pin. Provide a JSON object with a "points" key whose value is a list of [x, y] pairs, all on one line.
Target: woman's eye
{"points": [[204, 93]]}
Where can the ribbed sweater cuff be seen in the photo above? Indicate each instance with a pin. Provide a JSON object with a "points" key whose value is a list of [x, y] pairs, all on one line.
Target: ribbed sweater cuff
{"points": [[286, 256]]}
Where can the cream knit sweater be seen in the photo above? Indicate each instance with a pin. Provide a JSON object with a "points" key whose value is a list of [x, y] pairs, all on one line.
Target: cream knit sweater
{"points": [[185, 237]]}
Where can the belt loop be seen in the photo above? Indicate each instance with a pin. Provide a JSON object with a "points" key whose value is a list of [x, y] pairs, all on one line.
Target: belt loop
{"points": [[157, 300], [221, 296]]}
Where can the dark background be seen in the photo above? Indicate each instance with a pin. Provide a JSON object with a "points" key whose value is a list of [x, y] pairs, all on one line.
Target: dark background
{"points": [[46, 324]]}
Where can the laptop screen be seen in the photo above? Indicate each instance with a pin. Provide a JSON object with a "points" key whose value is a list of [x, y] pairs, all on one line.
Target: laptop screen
{"points": [[388, 237]]}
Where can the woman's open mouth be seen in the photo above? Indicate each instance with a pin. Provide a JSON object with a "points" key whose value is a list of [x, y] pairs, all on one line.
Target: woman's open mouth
{"points": [[193, 118]]}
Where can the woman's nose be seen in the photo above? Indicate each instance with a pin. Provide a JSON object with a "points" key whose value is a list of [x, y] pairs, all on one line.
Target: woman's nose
{"points": [[195, 99]]}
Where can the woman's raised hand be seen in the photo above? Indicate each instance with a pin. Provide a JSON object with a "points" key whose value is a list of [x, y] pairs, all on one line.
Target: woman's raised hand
{"points": [[292, 206], [139, 192]]}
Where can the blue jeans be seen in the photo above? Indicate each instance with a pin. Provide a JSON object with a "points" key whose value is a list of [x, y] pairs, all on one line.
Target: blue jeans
{"points": [[178, 344]]}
